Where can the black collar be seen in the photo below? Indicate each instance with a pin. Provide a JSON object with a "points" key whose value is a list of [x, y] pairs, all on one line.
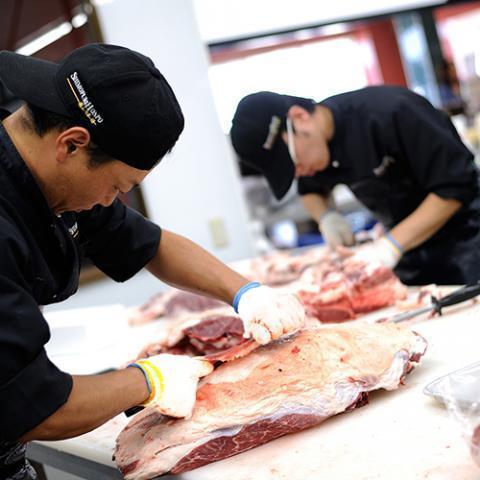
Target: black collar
{"points": [[25, 189]]}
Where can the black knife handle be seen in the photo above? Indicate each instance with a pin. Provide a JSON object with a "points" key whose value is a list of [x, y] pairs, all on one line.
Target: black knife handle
{"points": [[460, 295]]}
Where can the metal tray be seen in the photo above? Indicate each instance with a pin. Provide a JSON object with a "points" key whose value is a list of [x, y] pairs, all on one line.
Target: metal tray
{"points": [[461, 386]]}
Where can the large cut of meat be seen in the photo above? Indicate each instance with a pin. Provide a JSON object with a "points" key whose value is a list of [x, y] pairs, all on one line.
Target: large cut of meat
{"points": [[338, 291], [283, 387]]}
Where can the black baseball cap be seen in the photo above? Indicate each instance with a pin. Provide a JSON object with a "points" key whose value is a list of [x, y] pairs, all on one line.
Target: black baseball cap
{"points": [[256, 136], [117, 94]]}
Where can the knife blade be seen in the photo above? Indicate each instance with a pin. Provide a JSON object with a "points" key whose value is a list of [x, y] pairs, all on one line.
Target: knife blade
{"points": [[460, 295]]}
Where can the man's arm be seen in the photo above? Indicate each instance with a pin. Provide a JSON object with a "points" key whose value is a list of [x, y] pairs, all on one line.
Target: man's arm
{"points": [[316, 205], [167, 382], [94, 399], [184, 264], [425, 221], [411, 232]]}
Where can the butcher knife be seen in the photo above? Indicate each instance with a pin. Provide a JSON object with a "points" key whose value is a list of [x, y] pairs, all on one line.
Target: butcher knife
{"points": [[460, 295]]}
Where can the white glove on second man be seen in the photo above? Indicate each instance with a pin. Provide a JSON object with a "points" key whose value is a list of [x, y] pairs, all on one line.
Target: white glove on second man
{"points": [[267, 314], [172, 382], [335, 229], [385, 250]]}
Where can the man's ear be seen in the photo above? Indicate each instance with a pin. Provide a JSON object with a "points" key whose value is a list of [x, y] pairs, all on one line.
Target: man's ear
{"points": [[70, 141], [301, 117]]}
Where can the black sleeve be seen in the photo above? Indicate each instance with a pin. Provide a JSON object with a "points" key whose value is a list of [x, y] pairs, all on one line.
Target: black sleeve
{"points": [[31, 387], [439, 161], [118, 239]]}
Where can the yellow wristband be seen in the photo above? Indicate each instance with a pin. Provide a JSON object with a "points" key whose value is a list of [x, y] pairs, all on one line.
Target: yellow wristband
{"points": [[155, 380]]}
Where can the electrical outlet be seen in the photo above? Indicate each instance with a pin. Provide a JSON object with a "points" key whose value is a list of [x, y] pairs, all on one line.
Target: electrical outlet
{"points": [[218, 232]]}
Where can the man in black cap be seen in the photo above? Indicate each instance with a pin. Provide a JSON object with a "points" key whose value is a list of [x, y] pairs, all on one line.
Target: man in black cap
{"points": [[94, 126], [402, 158]]}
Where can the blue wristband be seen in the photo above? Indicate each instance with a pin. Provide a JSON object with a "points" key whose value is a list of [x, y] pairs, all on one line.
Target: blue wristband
{"points": [[394, 242], [241, 291]]}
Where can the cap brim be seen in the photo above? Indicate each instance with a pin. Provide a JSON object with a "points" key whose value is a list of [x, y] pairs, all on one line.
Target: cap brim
{"points": [[31, 79], [279, 170]]}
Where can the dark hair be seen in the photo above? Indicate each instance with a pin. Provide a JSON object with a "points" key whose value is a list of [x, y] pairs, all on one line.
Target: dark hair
{"points": [[44, 121]]}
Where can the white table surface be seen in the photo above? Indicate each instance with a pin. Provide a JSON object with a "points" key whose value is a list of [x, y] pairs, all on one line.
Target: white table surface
{"points": [[402, 434]]}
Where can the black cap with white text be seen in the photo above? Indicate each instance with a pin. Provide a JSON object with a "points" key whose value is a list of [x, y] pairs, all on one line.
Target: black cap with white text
{"points": [[117, 94]]}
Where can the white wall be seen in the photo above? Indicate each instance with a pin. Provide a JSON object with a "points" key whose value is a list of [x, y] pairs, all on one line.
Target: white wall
{"points": [[222, 20], [198, 182]]}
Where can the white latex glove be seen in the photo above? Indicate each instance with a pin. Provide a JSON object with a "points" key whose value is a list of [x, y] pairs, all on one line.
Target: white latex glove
{"points": [[173, 381], [335, 229], [267, 314], [382, 250]]}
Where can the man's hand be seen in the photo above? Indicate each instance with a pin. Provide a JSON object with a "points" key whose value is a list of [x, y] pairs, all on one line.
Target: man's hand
{"points": [[267, 314], [335, 229], [385, 250], [172, 382]]}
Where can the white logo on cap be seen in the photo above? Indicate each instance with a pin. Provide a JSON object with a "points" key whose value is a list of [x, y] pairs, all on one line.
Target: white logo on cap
{"points": [[83, 102], [273, 130]]}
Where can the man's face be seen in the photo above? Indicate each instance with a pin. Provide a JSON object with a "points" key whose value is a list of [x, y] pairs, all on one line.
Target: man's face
{"points": [[81, 186], [307, 145]]}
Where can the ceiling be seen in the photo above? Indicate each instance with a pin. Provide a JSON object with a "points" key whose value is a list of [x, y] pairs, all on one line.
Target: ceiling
{"points": [[21, 21], [24, 21]]}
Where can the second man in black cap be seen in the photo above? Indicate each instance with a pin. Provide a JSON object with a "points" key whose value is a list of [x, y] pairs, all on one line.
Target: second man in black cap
{"points": [[401, 157]]}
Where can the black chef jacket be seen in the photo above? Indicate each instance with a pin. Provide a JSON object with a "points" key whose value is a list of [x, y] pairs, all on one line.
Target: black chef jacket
{"points": [[39, 265], [393, 148]]}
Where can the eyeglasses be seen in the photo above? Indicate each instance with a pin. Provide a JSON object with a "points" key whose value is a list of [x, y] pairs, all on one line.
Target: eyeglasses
{"points": [[291, 141]]}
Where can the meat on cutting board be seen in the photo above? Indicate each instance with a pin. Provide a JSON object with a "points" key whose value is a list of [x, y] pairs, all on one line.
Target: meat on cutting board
{"points": [[280, 388], [339, 291]]}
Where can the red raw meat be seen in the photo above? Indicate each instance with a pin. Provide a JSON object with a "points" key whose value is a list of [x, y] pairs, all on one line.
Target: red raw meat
{"points": [[340, 291], [206, 333]]}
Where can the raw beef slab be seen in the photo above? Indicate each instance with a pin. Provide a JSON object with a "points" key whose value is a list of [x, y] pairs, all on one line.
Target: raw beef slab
{"points": [[279, 388], [339, 291]]}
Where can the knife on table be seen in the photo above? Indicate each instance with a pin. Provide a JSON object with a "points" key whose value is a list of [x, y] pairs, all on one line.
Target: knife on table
{"points": [[460, 295]]}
